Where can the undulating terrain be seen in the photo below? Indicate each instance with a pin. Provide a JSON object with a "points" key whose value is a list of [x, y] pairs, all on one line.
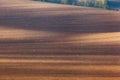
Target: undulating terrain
{"points": [[45, 41]]}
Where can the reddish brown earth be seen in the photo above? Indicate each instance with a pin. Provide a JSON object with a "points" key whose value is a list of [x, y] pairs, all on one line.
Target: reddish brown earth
{"points": [[45, 41]]}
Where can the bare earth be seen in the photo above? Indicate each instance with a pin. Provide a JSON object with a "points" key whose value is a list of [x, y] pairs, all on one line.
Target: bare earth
{"points": [[45, 41]]}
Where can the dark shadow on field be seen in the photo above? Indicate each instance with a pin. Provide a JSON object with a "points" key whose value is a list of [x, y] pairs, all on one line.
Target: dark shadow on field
{"points": [[61, 22]]}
